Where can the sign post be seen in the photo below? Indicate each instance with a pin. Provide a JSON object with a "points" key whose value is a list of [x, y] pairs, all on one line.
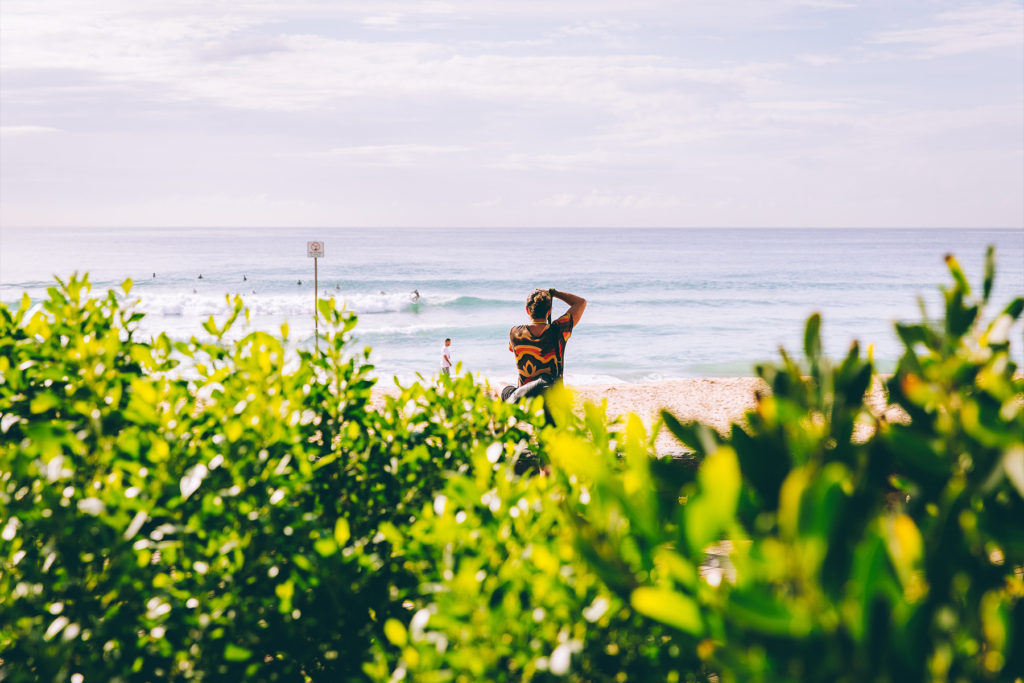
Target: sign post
{"points": [[315, 251]]}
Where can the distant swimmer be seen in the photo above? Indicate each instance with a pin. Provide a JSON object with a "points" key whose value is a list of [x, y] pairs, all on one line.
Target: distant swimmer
{"points": [[300, 282], [244, 278], [154, 274], [415, 295], [338, 286], [200, 276]]}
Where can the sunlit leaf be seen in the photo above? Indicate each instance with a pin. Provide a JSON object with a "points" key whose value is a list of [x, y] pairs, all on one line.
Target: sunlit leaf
{"points": [[669, 607], [395, 632], [341, 532], [236, 653]]}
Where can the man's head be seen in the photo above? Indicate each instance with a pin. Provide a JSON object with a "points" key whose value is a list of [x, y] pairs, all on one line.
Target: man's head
{"points": [[448, 342], [538, 304]]}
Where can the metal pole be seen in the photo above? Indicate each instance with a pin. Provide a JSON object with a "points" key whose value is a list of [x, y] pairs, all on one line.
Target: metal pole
{"points": [[316, 302]]}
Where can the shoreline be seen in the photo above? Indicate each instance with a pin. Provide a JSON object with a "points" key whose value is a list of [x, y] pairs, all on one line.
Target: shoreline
{"points": [[718, 402]]}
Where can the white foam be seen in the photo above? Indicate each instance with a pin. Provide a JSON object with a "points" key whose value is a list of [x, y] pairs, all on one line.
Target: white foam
{"points": [[575, 379], [203, 304], [379, 303], [399, 329]]}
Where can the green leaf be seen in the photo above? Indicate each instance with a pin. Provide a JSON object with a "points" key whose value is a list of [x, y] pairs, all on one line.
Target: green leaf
{"points": [[990, 272], [395, 632], [719, 479], [691, 434], [236, 653], [916, 453], [790, 498], [233, 430], [341, 532], [43, 402], [669, 607], [325, 307], [905, 545], [812, 337], [764, 465], [325, 546], [758, 611], [1014, 308], [958, 274], [284, 592]]}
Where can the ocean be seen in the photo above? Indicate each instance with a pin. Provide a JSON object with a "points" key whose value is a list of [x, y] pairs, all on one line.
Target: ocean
{"points": [[662, 303]]}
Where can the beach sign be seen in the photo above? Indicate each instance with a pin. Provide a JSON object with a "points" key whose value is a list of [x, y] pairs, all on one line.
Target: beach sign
{"points": [[315, 251]]}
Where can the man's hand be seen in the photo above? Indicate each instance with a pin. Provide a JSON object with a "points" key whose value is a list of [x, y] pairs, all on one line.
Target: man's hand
{"points": [[577, 304]]}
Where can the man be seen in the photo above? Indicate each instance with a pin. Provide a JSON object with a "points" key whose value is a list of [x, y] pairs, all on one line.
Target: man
{"points": [[446, 358], [539, 347]]}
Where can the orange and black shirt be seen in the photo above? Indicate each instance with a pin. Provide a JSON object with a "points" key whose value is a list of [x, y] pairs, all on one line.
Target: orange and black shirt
{"points": [[543, 354]]}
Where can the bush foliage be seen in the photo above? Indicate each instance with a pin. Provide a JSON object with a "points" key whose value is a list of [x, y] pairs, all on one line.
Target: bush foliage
{"points": [[227, 509], [207, 509]]}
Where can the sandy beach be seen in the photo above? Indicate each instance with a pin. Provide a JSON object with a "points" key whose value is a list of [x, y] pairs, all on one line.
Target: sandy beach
{"points": [[716, 402]]}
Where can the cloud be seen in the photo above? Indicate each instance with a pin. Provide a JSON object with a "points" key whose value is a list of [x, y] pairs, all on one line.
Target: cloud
{"points": [[823, 4], [18, 131], [557, 162], [595, 199], [242, 58], [972, 29], [819, 59], [382, 20], [394, 156], [588, 107]]}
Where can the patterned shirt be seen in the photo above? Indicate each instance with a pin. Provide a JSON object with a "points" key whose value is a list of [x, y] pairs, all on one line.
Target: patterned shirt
{"points": [[543, 354]]}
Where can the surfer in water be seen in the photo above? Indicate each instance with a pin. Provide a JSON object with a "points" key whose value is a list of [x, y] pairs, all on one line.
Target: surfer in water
{"points": [[539, 347], [415, 295]]}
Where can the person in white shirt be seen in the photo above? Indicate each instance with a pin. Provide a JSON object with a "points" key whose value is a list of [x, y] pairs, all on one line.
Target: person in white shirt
{"points": [[446, 358]]}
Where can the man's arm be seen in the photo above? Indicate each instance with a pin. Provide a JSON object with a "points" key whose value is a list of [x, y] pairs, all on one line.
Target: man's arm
{"points": [[577, 304]]}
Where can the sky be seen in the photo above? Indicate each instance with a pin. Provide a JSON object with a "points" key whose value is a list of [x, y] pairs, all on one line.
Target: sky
{"points": [[452, 113]]}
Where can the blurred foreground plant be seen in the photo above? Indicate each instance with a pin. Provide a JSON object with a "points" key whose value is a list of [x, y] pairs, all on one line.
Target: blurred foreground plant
{"points": [[507, 592], [893, 556]]}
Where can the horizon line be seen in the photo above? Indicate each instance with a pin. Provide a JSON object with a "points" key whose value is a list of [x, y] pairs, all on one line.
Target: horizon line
{"points": [[510, 227]]}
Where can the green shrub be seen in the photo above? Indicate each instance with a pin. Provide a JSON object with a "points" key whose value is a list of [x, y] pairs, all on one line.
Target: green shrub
{"points": [[895, 557], [228, 510], [208, 509], [507, 596]]}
